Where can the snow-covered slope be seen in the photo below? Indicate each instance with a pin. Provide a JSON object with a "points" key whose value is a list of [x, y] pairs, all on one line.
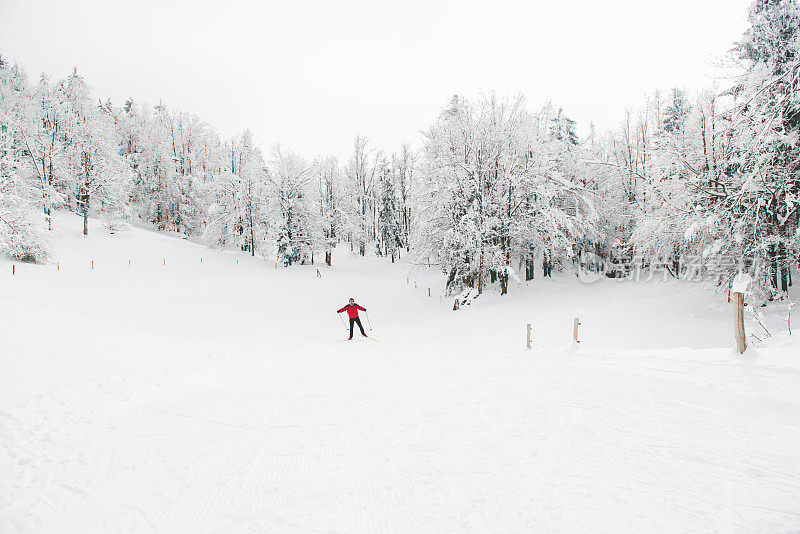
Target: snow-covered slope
{"points": [[178, 395]]}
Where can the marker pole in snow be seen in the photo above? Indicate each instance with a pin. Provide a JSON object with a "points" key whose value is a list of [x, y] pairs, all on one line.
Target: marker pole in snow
{"points": [[738, 322]]}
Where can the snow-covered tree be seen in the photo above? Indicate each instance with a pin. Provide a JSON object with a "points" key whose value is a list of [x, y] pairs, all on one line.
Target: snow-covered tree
{"points": [[21, 230], [238, 214], [404, 168], [332, 217], [389, 217], [746, 158], [497, 185], [297, 228], [100, 177], [361, 172], [764, 188]]}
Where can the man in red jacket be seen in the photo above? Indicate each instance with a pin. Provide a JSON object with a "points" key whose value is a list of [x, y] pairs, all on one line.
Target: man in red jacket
{"points": [[352, 313]]}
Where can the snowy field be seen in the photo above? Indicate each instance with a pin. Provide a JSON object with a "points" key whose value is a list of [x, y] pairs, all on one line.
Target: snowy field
{"points": [[174, 395]]}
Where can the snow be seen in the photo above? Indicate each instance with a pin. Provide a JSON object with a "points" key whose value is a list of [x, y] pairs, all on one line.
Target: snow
{"points": [[220, 397], [740, 283]]}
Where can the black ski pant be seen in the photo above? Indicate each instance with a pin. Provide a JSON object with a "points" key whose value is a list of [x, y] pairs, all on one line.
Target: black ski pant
{"points": [[356, 320]]}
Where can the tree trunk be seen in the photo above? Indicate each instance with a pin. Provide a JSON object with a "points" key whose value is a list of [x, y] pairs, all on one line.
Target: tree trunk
{"points": [[783, 267], [773, 268], [86, 215]]}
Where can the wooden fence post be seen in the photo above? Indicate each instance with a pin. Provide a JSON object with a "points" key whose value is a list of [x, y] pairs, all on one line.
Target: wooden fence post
{"points": [[575, 323], [13, 269], [93, 265], [529, 335], [738, 322], [429, 292]]}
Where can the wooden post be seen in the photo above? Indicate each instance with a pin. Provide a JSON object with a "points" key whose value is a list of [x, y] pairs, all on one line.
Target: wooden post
{"points": [[455, 305], [429, 292], [529, 335], [164, 260], [93, 265], [575, 323], [58, 266], [738, 322], [13, 269], [129, 263]]}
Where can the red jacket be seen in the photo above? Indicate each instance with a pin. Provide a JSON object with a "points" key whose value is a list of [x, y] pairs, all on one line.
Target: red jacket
{"points": [[352, 310]]}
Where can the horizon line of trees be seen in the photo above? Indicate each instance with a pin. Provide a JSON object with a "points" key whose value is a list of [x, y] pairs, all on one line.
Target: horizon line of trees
{"points": [[496, 189]]}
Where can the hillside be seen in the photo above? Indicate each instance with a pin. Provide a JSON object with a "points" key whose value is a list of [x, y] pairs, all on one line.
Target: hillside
{"points": [[173, 388]]}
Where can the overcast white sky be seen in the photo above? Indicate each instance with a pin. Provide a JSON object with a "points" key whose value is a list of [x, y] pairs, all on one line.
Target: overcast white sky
{"points": [[311, 74]]}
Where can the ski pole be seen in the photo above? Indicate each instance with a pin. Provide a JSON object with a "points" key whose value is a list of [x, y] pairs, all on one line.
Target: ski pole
{"points": [[340, 318], [368, 321]]}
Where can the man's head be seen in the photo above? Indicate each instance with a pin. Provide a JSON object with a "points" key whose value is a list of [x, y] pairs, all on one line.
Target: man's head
{"points": [[352, 301]]}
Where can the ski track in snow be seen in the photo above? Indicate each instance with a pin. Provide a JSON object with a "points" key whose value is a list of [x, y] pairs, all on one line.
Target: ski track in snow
{"points": [[445, 425]]}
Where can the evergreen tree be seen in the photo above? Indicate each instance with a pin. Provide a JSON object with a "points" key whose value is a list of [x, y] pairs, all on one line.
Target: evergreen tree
{"points": [[389, 216], [297, 229], [676, 112]]}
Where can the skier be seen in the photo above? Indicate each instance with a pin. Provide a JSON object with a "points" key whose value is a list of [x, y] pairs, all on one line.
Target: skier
{"points": [[352, 313]]}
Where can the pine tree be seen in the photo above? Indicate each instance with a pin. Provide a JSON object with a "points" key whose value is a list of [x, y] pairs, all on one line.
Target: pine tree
{"points": [[298, 230], [676, 112], [389, 216], [763, 176]]}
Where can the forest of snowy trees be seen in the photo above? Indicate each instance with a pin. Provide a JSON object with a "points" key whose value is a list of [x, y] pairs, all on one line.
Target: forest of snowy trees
{"points": [[692, 184]]}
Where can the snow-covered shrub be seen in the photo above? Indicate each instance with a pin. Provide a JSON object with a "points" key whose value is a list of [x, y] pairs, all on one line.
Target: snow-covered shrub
{"points": [[22, 234]]}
